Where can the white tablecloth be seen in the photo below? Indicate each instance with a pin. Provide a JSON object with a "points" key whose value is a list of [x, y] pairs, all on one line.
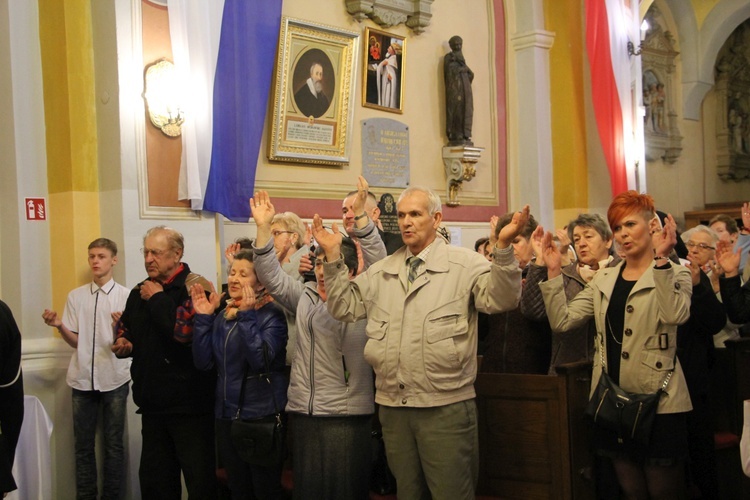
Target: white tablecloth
{"points": [[33, 466]]}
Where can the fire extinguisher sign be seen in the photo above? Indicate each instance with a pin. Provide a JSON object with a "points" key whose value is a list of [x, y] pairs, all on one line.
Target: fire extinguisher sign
{"points": [[35, 208]]}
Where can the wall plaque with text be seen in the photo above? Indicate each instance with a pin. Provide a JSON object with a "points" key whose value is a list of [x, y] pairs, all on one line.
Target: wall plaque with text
{"points": [[388, 213], [385, 152]]}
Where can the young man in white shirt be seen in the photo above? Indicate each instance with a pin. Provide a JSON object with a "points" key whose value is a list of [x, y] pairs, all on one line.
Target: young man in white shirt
{"points": [[98, 378]]}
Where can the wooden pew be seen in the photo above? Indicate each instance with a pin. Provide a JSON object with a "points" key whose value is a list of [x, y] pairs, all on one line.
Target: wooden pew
{"points": [[695, 217], [533, 439]]}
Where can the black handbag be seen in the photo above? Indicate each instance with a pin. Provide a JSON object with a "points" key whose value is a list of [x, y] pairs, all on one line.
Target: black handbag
{"points": [[258, 441], [630, 415]]}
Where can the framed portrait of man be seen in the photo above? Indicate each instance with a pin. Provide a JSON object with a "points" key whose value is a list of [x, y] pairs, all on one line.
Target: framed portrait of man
{"points": [[313, 94], [383, 71]]}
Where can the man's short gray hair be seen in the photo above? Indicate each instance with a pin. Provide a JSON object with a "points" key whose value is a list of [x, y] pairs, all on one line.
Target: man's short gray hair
{"points": [[174, 237], [313, 67], [433, 200]]}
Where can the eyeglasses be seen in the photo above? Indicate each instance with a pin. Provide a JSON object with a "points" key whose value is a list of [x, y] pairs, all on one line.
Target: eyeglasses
{"points": [[155, 253], [276, 233], [702, 246]]}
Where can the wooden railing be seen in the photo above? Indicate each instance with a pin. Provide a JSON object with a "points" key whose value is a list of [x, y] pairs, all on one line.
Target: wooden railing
{"points": [[695, 217]]}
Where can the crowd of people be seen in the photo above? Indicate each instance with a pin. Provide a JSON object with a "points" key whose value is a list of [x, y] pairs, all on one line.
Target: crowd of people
{"points": [[391, 331]]}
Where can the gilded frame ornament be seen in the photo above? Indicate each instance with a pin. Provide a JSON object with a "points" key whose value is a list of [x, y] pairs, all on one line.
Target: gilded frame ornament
{"points": [[314, 86], [383, 62]]}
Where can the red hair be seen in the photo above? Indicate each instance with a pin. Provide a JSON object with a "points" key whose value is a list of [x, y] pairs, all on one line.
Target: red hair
{"points": [[628, 203]]}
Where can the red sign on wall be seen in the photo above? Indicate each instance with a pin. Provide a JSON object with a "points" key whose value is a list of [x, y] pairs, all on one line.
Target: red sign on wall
{"points": [[35, 209]]}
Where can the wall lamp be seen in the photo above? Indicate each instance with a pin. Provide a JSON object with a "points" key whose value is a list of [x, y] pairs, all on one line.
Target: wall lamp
{"points": [[632, 51], [162, 97], [631, 46]]}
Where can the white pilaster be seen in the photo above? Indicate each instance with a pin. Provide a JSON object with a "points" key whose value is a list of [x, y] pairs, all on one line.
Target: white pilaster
{"points": [[530, 130]]}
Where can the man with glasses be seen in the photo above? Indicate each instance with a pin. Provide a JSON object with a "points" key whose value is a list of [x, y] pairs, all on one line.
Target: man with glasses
{"points": [[174, 398]]}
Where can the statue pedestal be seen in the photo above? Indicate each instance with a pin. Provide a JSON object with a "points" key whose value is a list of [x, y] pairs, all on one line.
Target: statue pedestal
{"points": [[459, 164]]}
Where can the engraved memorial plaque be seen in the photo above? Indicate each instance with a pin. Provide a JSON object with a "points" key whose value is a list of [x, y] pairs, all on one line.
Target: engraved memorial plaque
{"points": [[385, 152], [388, 213]]}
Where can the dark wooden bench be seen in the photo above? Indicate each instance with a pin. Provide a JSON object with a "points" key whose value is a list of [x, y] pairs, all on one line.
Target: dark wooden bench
{"points": [[533, 439]]}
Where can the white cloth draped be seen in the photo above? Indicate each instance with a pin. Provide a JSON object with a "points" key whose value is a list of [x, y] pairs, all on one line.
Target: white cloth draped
{"points": [[32, 468], [195, 30]]}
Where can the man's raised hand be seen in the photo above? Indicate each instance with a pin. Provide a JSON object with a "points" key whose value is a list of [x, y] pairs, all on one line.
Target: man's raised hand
{"points": [[515, 227]]}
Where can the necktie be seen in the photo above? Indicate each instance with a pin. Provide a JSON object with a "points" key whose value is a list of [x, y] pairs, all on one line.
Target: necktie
{"points": [[413, 265]]}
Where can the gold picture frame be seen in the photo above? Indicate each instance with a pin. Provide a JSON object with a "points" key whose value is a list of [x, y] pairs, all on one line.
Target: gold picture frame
{"points": [[383, 62], [314, 88]]}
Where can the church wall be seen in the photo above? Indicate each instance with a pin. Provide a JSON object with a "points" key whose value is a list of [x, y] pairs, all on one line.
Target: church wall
{"points": [[26, 248], [691, 181], [423, 110]]}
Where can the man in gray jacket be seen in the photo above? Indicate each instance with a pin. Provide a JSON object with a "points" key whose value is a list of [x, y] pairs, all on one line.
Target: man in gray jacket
{"points": [[421, 305]]}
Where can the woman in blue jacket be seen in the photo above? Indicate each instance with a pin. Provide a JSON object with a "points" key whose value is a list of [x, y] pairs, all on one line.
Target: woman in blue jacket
{"points": [[241, 337]]}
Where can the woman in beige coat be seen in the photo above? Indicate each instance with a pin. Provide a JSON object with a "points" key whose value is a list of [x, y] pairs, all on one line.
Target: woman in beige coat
{"points": [[636, 307]]}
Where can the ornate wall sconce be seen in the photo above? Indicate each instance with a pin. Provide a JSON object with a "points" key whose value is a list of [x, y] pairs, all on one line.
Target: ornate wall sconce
{"points": [[459, 162], [162, 95], [632, 51]]}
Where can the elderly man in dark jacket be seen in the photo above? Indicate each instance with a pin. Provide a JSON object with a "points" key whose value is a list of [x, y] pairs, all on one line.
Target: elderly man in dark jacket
{"points": [[174, 398]]}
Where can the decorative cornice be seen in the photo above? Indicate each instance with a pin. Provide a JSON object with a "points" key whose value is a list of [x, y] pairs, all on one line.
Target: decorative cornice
{"points": [[42, 359], [416, 14], [537, 38]]}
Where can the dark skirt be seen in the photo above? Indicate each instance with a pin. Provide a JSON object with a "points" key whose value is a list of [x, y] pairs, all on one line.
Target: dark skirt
{"points": [[331, 456], [668, 444]]}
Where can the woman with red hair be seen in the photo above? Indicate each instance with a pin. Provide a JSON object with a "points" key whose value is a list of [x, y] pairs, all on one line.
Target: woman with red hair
{"points": [[637, 306]]}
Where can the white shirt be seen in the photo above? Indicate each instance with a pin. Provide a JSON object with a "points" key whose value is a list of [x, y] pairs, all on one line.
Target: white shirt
{"points": [[88, 312]]}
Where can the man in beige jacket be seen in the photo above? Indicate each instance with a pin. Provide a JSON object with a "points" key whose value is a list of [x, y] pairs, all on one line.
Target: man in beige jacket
{"points": [[421, 305]]}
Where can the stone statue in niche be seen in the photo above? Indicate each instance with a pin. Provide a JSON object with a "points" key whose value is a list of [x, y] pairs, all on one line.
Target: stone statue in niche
{"points": [[459, 101], [654, 99], [732, 110], [738, 124], [661, 133]]}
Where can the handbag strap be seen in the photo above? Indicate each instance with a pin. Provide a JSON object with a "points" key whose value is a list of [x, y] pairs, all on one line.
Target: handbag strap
{"points": [[267, 376]]}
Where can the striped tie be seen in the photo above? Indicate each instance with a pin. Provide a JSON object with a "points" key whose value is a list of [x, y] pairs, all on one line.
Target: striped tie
{"points": [[413, 265]]}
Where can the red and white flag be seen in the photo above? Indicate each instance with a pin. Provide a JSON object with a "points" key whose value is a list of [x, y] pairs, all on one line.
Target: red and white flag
{"points": [[615, 83]]}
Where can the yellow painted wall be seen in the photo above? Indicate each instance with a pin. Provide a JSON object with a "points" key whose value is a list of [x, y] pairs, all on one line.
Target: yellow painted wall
{"points": [[70, 122], [566, 18]]}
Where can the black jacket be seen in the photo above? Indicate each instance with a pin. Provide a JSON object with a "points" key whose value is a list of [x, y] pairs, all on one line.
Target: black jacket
{"points": [[736, 298], [695, 339], [165, 380]]}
